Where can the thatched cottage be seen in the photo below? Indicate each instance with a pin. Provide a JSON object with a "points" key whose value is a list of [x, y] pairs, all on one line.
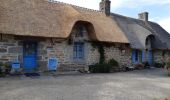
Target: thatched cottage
{"points": [[33, 32]]}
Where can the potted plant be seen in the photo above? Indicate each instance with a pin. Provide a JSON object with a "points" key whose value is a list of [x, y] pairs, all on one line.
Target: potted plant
{"points": [[1, 69], [7, 66], [168, 68]]}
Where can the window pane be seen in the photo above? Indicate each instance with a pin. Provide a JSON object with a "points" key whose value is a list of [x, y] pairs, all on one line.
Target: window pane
{"points": [[78, 50]]}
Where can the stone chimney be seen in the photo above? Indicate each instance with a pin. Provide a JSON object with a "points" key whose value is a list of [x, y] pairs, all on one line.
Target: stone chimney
{"points": [[105, 6], [143, 16]]}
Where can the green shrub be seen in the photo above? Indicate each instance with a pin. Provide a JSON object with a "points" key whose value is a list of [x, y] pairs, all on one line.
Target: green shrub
{"points": [[100, 68], [159, 65], [1, 69], [168, 65], [113, 62]]}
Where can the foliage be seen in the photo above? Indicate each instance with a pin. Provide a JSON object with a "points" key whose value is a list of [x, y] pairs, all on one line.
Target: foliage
{"points": [[113, 62], [101, 51], [159, 65], [7, 67], [1, 69], [100, 68], [163, 53], [168, 65], [111, 66], [102, 54]]}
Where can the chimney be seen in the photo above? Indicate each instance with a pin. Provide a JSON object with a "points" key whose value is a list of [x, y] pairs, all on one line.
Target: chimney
{"points": [[143, 16], [105, 6]]}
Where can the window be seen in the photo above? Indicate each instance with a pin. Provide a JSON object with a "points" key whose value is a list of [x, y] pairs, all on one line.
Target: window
{"points": [[78, 50], [136, 56], [80, 31]]}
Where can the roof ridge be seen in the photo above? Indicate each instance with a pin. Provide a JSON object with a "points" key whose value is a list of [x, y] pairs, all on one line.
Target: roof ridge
{"points": [[128, 17], [83, 8]]}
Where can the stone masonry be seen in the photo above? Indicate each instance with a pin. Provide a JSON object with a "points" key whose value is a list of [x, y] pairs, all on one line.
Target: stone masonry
{"points": [[161, 56], [11, 49]]}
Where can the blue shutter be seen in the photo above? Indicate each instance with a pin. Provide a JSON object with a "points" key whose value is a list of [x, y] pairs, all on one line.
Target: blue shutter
{"points": [[143, 55], [133, 56]]}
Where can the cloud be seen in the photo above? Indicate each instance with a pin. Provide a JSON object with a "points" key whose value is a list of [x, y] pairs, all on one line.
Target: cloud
{"points": [[165, 23], [117, 4]]}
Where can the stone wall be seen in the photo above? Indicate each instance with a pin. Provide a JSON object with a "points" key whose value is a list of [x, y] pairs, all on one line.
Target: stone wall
{"points": [[10, 49], [161, 56], [64, 54], [61, 51], [122, 56]]}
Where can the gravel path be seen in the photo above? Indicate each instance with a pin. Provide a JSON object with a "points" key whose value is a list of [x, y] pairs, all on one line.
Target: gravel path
{"points": [[149, 84]]}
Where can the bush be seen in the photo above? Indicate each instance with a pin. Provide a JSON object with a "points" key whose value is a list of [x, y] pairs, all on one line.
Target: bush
{"points": [[113, 62], [168, 65], [8, 67], [100, 68], [159, 65], [168, 68], [1, 69]]}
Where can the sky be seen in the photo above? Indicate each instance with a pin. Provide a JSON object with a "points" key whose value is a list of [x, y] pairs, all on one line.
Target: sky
{"points": [[159, 10]]}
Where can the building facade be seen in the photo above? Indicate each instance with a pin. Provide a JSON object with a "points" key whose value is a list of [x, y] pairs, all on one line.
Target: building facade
{"points": [[33, 32]]}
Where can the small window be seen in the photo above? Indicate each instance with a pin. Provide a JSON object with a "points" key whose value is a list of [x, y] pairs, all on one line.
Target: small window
{"points": [[80, 31], [78, 50]]}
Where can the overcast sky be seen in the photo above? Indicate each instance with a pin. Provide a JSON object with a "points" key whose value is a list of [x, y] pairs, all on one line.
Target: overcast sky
{"points": [[159, 10]]}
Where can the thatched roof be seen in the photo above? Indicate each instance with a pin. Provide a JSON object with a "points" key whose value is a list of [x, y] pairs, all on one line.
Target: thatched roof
{"points": [[138, 30], [55, 19], [48, 19]]}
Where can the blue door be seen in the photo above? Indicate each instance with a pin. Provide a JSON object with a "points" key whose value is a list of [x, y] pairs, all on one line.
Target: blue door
{"points": [[30, 56], [143, 55], [133, 56], [150, 57]]}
